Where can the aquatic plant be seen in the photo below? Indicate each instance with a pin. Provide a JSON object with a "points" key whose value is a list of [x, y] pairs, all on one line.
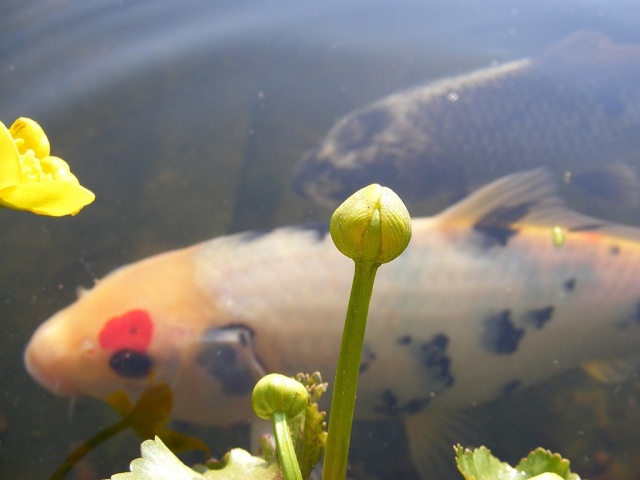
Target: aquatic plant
{"points": [[540, 464], [279, 398], [159, 463], [33, 180], [371, 227], [305, 431]]}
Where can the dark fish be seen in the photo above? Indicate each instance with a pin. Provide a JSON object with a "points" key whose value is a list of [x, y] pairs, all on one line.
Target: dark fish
{"points": [[574, 109]]}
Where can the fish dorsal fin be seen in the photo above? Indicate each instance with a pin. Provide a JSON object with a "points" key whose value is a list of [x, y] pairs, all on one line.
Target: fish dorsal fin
{"points": [[505, 200], [524, 199]]}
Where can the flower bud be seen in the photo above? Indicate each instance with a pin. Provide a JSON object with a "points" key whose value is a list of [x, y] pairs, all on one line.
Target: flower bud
{"points": [[371, 225], [278, 393]]}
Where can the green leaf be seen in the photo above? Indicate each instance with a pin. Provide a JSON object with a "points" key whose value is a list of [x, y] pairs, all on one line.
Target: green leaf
{"points": [[479, 464], [540, 464], [239, 464], [542, 461], [159, 463]]}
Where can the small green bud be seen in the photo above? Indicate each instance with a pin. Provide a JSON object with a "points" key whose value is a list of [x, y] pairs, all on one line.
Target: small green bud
{"points": [[371, 225], [278, 393]]}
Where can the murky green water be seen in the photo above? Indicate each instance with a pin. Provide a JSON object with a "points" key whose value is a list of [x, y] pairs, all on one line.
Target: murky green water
{"points": [[186, 122]]}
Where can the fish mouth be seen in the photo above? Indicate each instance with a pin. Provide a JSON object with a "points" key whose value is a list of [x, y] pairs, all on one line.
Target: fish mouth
{"points": [[44, 361], [54, 383]]}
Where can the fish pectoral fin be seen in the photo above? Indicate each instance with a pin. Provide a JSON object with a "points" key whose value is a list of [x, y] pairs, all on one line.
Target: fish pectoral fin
{"points": [[613, 371], [228, 355], [431, 437]]}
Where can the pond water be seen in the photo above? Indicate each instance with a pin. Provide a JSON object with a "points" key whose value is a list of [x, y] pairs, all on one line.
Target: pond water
{"points": [[187, 118]]}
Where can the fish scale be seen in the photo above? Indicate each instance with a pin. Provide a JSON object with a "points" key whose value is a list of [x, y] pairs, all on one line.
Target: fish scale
{"points": [[485, 301]]}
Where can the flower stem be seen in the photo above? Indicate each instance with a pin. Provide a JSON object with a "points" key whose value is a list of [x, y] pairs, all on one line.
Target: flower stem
{"points": [[98, 439], [284, 446], [343, 399]]}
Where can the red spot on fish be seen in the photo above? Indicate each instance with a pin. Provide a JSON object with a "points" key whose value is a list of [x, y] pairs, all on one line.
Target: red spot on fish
{"points": [[129, 331]]}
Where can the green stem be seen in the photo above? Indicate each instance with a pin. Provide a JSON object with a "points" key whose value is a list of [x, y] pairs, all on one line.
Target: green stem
{"points": [[99, 438], [284, 446], [343, 400]]}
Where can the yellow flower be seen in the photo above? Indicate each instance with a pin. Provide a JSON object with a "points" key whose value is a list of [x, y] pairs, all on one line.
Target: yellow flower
{"points": [[31, 179]]}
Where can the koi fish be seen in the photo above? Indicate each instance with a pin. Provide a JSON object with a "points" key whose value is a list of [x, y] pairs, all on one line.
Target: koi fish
{"points": [[496, 293], [568, 109]]}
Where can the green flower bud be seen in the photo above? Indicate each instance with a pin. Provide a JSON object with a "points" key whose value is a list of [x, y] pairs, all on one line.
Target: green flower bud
{"points": [[278, 393], [371, 225]]}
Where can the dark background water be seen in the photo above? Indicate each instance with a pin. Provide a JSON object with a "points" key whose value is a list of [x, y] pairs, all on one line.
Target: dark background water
{"points": [[185, 118]]}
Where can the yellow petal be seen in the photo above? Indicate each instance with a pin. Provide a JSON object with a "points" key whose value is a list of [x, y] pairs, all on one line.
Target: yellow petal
{"points": [[28, 134], [58, 169], [55, 197], [9, 160]]}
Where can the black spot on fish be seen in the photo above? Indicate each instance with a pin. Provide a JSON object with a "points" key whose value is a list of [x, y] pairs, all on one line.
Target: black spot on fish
{"points": [[228, 355], [500, 335], [391, 405], [433, 357], [570, 285], [614, 250], [497, 225], [130, 364], [363, 127], [510, 387], [539, 317], [416, 405], [404, 340]]}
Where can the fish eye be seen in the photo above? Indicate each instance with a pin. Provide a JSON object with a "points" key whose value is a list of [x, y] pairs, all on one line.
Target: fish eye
{"points": [[130, 364]]}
